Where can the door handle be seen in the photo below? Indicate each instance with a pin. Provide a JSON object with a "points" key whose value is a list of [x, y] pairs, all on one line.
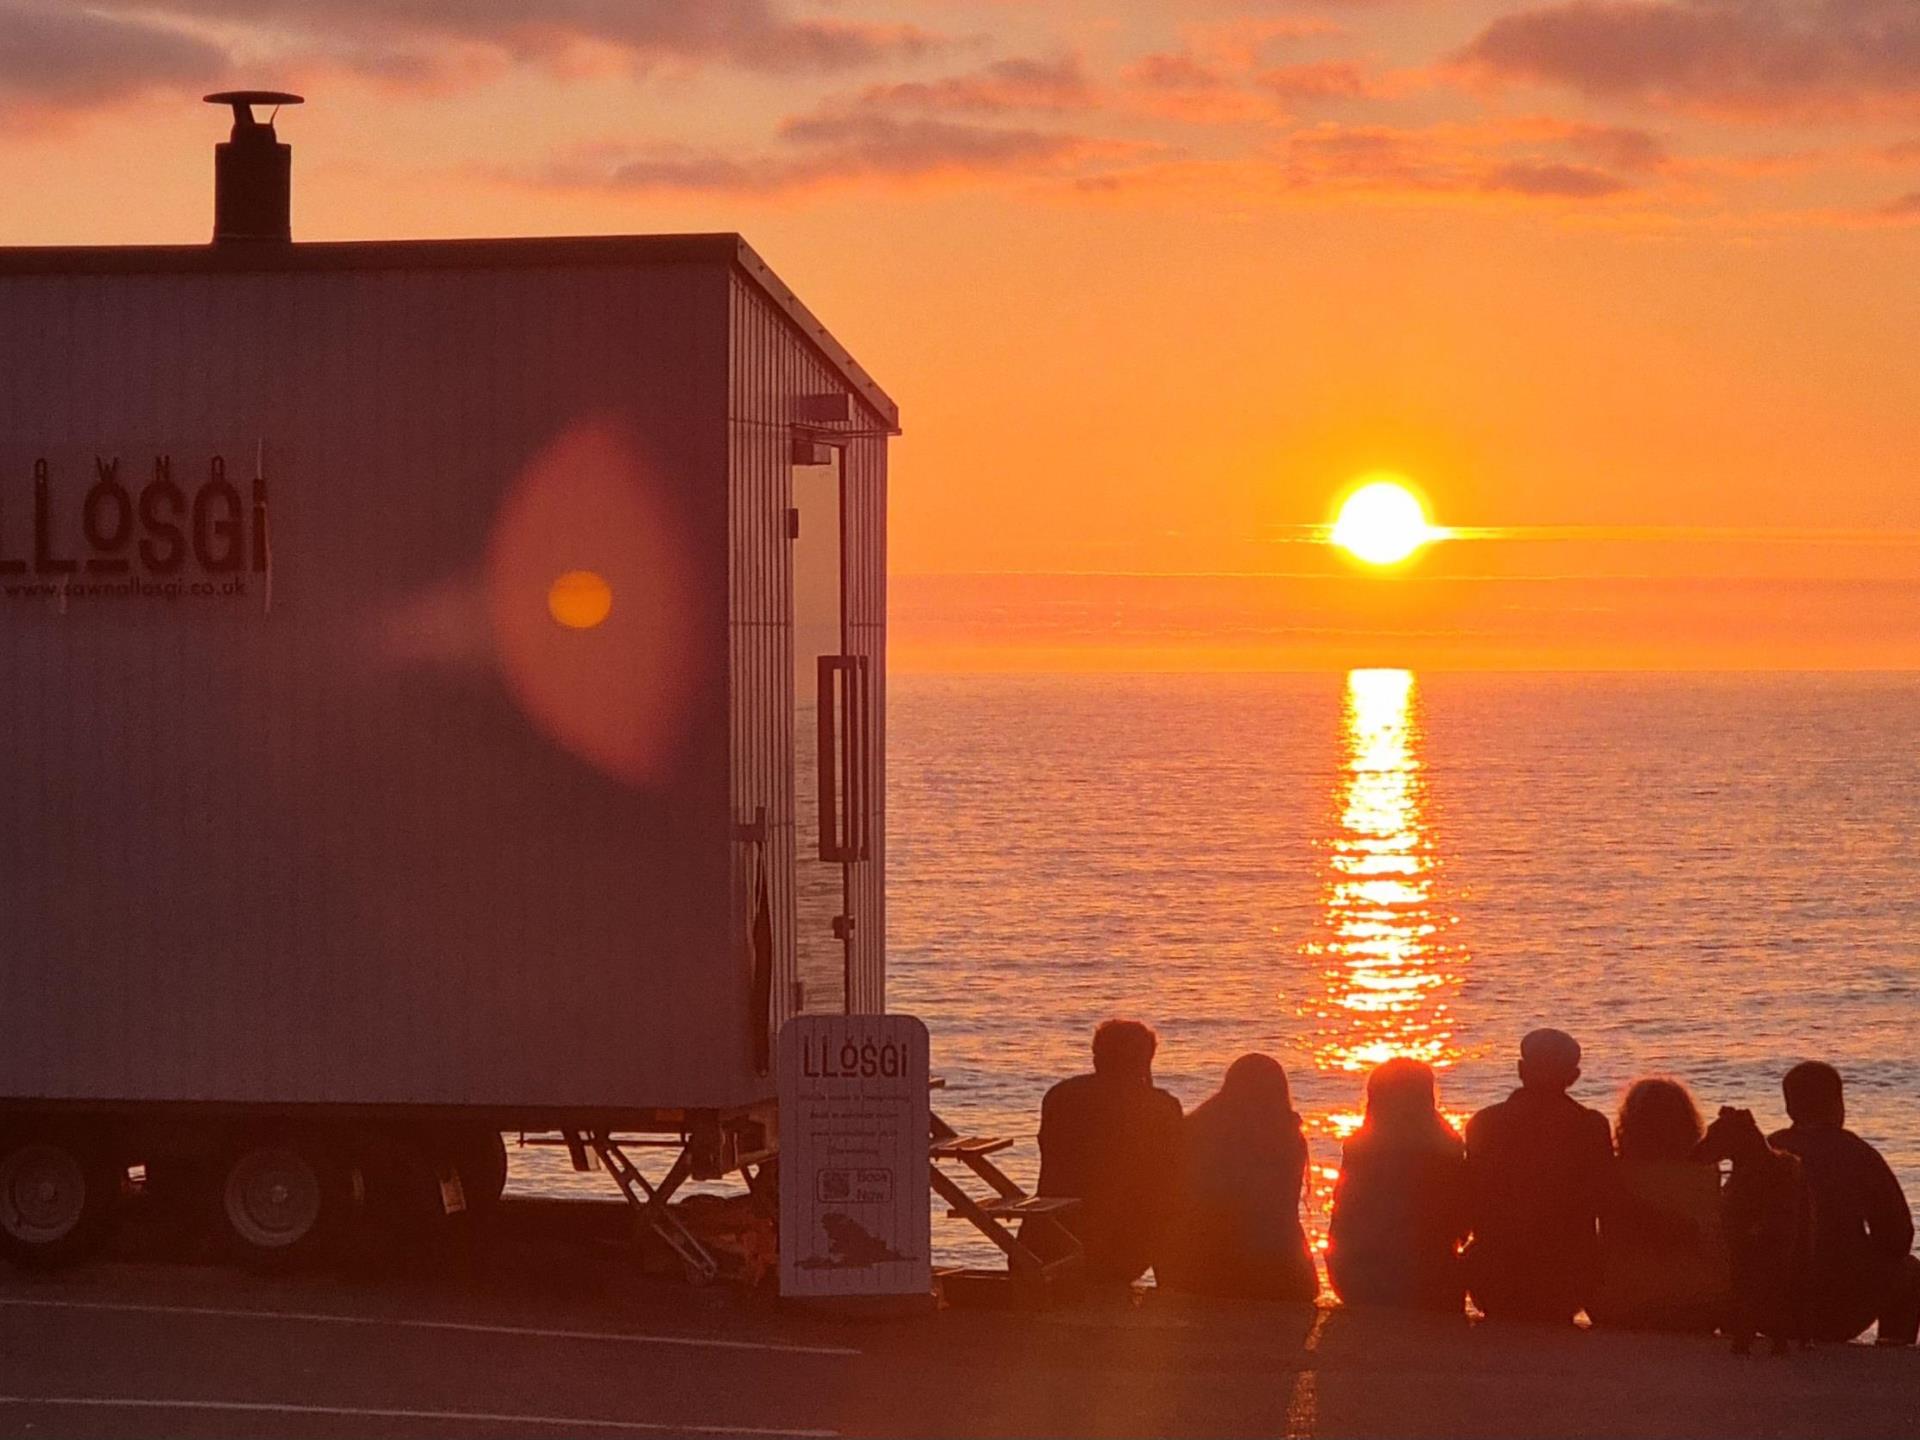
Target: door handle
{"points": [[843, 748]]}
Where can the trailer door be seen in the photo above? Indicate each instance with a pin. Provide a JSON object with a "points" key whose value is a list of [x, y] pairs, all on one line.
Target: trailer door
{"points": [[830, 738]]}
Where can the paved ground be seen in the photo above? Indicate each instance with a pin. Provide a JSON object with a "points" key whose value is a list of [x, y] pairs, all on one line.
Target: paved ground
{"points": [[567, 1340]]}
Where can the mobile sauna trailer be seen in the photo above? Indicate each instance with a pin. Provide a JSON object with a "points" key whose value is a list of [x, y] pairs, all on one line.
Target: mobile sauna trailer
{"points": [[444, 693]]}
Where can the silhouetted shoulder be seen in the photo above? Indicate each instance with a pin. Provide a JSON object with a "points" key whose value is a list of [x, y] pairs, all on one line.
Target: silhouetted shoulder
{"points": [[1834, 1147], [1066, 1094], [1485, 1122], [1167, 1104]]}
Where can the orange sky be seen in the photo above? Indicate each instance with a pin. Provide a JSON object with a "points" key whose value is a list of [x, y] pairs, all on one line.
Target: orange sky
{"points": [[1627, 283]]}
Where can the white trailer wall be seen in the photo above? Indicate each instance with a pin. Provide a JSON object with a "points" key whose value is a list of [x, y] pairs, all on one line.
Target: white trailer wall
{"points": [[773, 367], [376, 843]]}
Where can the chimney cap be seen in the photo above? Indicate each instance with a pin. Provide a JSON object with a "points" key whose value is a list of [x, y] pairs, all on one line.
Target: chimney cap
{"points": [[243, 101]]}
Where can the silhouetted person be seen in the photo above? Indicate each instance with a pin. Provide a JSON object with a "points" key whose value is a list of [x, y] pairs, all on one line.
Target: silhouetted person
{"points": [[1537, 1167], [1863, 1267], [1238, 1232], [1112, 1140], [1399, 1209], [1663, 1256]]}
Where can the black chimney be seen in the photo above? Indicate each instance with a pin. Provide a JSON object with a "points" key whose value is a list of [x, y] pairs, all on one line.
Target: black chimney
{"points": [[252, 172]]}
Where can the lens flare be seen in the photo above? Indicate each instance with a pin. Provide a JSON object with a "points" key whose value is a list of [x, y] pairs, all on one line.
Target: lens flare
{"points": [[580, 599], [615, 685]]}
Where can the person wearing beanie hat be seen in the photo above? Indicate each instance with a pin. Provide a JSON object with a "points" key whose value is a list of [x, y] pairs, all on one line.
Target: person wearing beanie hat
{"points": [[1537, 1166]]}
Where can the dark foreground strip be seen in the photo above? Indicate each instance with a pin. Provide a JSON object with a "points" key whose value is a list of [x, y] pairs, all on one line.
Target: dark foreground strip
{"points": [[369, 1412], [322, 1317]]}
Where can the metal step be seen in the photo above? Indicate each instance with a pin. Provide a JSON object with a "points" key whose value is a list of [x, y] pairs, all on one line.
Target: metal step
{"points": [[961, 1146], [1022, 1207]]}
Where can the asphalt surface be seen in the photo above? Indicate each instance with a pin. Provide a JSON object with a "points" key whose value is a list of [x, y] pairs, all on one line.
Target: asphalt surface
{"points": [[570, 1340]]}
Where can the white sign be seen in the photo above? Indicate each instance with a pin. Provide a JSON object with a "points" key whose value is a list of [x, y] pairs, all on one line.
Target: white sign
{"points": [[855, 1213]]}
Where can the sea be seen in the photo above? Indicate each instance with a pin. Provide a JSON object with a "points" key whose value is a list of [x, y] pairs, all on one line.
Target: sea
{"points": [[1703, 876]]}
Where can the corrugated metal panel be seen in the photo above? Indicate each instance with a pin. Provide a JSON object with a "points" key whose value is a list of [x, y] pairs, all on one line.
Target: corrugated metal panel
{"points": [[416, 256], [772, 366], [330, 853], [866, 510]]}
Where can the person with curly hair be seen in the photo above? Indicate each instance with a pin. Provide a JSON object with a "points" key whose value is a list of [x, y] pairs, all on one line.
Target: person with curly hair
{"points": [[1663, 1256]]}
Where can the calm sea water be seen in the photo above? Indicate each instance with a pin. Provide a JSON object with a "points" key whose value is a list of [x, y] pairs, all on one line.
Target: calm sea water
{"points": [[1709, 877], [1703, 876]]}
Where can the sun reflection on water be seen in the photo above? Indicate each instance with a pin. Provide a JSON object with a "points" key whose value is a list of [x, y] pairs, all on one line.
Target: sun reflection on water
{"points": [[1388, 969]]}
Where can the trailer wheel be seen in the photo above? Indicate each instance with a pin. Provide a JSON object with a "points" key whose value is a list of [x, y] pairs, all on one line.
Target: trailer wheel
{"points": [[58, 1193], [480, 1155], [414, 1184], [284, 1199]]}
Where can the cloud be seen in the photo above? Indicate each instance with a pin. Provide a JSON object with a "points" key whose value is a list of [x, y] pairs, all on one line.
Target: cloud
{"points": [[1181, 85], [960, 128], [753, 34], [1906, 207], [60, 60], [1617, 147], [1017, 83], [1319, 80], [833, 148], [876, 144], [1175, 70], [1446, 160], [1751, 57], [1553, 180]]}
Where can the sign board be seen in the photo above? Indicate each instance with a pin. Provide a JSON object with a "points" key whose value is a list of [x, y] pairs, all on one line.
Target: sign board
{"points": [[856, 1217], [135, 523]]}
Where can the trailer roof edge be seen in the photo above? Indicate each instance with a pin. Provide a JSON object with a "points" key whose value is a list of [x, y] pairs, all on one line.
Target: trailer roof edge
{"points": [[816, 334], [723, 248]]}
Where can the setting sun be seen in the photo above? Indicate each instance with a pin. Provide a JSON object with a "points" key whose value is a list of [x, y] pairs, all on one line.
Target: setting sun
{"points": [[1382, 523]]}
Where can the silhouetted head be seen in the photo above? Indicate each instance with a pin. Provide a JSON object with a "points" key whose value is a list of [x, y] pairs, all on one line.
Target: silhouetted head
{"points": [[1814, 1094], [1733, 1135], [1253, 1106], [1258, 1082], [1403, 1103], [1658, 1121], [1123, 1050], [1549, 1060]]}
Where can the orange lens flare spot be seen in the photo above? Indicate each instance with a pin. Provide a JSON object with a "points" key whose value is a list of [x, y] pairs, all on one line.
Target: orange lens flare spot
{"points": [[580, 599]]}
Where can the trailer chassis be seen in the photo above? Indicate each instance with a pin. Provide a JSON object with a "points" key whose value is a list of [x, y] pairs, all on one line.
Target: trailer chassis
{"points": [[279, 1171]]}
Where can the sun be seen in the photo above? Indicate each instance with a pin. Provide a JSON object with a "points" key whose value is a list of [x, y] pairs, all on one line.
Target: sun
{"points": [[1382, 523]]}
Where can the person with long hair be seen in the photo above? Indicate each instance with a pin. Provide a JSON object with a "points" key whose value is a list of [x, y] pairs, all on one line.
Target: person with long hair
{"points": [[1663, 1256], [1400, 1207], [1238, 1231]]}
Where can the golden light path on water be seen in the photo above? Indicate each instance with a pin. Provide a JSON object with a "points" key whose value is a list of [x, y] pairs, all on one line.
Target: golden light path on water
{"points": [[1389, 972]]}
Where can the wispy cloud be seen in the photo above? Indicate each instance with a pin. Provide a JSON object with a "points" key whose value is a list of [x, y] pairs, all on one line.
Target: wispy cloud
{"points": [[1321, 80], [760, 35], [1016, 83], [1553, 179], [1905, 207], [999, 120], [832, 150], [55, 60], [1758, 58]]}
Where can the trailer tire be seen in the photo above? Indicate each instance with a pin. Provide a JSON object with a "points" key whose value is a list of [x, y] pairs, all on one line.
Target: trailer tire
{"points": [[480, 1155], [284, 1199], [59, 1194], [405, 1168]]}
